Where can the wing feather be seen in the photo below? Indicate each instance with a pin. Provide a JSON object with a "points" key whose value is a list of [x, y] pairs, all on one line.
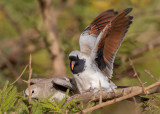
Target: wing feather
{"points": [[65, 82], [101, 21], [89, 35], [110, 41]]}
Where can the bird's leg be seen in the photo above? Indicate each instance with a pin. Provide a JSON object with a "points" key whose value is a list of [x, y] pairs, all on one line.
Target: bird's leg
{"points": [[75, 95], [89, 90]]}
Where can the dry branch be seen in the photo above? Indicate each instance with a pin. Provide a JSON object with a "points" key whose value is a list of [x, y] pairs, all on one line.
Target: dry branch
{"points": [[20, 75], [88, 96], [149, 73], [120, 94], [100, 89], [29, 79], [136, 75], [28, 83]]}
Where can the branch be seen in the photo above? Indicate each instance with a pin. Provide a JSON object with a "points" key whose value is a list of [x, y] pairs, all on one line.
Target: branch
{"points": [[149, 73], [136, 75], [20, 75], [28, 83], [29, 79], [120, 94]]}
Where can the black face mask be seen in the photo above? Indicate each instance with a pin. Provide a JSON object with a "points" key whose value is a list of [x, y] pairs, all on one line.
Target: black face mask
{"points": [[76, 64]]}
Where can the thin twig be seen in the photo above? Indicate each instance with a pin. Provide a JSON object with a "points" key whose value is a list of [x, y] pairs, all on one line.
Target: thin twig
{"points": [[100, 96], [25, 81], [149, 73], [136, 74], [113, 92], [123, 92], [28, 83], [29, 80], [135, 102], [20, 75]]}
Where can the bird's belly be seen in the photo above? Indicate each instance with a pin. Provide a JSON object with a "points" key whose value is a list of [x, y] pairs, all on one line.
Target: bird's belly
{"points": [[92, 80], [83, 84]]}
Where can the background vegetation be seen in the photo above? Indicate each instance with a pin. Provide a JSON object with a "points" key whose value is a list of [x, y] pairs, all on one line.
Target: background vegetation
{"points": [[23, 30]]}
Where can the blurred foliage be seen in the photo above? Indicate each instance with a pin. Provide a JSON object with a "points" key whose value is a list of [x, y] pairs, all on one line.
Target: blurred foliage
{"points": [[9, 99], [13, 101], [71, 22]]}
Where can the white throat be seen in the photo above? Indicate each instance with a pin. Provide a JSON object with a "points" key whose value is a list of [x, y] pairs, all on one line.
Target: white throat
{"points": [[91, 76]]}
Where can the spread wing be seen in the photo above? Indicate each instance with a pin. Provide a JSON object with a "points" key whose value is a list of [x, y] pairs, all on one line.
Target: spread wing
{"points": [[89, 35], [65, 82], [100, 22], [110, 40]]}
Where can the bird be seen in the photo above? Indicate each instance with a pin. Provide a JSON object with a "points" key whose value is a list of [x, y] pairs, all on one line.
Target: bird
{"points": [[92, 66], [42, 88]]}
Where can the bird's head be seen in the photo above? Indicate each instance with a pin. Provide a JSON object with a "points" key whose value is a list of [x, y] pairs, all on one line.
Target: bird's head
{"points": [[34, 91], [77, 62]]}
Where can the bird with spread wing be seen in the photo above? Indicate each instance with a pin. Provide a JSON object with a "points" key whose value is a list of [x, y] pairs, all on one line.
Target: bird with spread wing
{"points": [[99, 43]]}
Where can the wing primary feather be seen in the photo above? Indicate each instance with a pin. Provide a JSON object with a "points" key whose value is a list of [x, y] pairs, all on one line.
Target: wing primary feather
{"points": [[111, 39], [105, 13], [121, 15], [101, 21]]}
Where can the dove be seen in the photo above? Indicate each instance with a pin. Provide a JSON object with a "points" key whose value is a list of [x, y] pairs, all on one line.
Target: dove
{"points": [[99, 43], [42, 88]]}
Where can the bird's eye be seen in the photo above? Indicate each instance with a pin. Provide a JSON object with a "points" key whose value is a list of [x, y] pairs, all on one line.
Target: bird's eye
{"points": [[32, 91]]}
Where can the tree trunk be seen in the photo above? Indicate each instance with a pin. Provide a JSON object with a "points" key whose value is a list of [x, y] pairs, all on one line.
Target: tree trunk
{"points": [[50, 21]]}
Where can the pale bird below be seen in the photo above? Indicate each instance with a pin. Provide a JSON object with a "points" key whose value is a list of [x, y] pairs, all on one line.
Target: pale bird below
{"points": [[42, 88]]}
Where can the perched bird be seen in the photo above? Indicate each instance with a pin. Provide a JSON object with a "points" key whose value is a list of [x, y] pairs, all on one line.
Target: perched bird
{"points": [[42, 88], [99, 44]]}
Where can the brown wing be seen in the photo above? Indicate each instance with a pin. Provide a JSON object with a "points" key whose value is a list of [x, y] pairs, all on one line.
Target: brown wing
{"points": [[110, 41], [100, 22]]}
